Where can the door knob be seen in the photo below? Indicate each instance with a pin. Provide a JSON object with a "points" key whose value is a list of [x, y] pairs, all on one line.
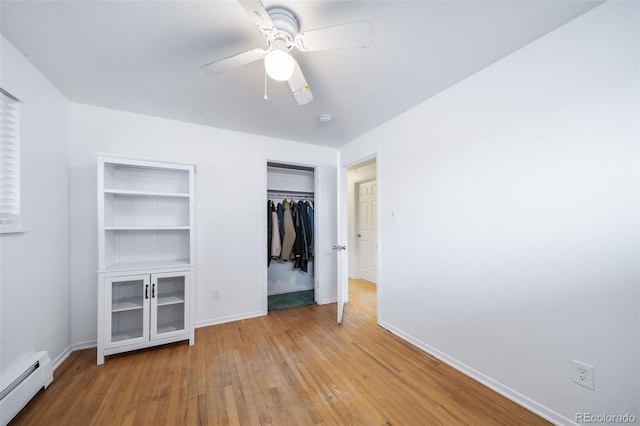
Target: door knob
{"points": [[339, 248]]}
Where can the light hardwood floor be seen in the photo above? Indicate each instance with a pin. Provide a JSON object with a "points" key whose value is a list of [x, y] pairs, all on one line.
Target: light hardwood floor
{"points": [[293, 367]]}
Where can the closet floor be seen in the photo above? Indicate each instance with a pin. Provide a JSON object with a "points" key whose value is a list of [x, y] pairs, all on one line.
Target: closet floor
{"points": [[290, 300]]}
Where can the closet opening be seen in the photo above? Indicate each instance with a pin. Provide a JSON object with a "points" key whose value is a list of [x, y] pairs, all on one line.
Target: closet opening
{"points": [[291, 234]]}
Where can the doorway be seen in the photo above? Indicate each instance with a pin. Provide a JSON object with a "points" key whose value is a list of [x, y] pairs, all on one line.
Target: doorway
{"points": [[290, 236], [361, 203]]}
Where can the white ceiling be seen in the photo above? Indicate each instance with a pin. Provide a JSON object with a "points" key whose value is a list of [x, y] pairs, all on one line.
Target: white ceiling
{"points": [[145, 57]]}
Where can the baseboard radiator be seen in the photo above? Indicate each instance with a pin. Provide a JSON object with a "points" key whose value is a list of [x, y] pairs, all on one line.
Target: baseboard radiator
{"points": [[24, 385]]}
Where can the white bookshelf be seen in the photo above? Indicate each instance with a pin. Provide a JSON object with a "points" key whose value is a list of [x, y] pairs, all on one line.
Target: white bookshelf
{"points": [[145, 253]]}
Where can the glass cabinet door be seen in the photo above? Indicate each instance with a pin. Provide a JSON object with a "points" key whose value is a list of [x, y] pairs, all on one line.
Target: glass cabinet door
{"points": [[169, 304], [128, 309]]}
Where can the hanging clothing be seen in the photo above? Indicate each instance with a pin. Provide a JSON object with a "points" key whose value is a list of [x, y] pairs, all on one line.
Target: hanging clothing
{"points": [[308, 228], [280, 209], [289, 232], [269, 230], [276, 245], [301, 245], [312, 227]]}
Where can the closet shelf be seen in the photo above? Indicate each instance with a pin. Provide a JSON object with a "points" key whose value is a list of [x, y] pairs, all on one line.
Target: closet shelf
{"points": [[146, 228], [132, 193], [289, 191]]}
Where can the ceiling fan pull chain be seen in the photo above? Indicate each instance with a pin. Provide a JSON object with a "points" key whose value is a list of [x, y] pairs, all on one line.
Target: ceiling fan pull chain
{"points": [[266, 98]]}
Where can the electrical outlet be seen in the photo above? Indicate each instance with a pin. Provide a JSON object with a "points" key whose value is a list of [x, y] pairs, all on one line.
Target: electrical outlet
{"points": [[215, 294], [582, 374]]}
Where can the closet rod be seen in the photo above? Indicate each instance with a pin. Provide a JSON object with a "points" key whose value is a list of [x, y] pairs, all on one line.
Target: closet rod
{"points": [[273, 193]]}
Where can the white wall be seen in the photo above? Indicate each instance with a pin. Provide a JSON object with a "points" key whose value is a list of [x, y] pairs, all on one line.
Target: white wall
{"points": [[356, 175], [231, 185], [516, 242], [34, 265]]}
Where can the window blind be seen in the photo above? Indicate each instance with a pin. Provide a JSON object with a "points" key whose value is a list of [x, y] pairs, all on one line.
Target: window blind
{"points": [[9, 163]]}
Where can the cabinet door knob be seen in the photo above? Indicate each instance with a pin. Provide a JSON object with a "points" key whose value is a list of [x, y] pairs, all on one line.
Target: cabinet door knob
{"points": [[153, 290], [146, 291]]}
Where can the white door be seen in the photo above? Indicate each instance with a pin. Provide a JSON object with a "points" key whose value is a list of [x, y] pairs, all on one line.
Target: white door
{"points": [[127, 310], [169, 304], [339, 249], [367, 232]]}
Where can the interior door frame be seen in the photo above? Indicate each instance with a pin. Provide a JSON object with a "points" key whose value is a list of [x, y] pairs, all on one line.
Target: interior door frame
{"points": [[317, 227], [343, 230]]}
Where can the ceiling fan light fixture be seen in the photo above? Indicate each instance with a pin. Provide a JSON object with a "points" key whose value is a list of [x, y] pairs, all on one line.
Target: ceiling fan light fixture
{"points": [[279, 64]]}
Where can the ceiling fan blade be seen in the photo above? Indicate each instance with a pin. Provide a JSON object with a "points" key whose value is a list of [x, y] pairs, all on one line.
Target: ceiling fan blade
{"points": [[353, 34], [235, 61], [299, 86], [259, 14]]}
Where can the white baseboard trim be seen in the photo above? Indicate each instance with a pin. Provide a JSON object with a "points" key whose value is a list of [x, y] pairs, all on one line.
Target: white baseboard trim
{"points": [[84, 345], [72, 348], [60, 358], [507, 392], [230, 318], [327, 301]]}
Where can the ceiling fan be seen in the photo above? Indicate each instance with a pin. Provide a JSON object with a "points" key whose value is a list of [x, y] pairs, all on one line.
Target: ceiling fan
{"points": [[279, 27]]}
